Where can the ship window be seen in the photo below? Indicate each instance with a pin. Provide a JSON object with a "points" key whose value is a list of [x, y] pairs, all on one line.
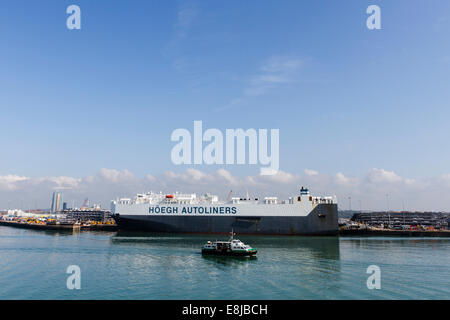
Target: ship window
{"points": [[299, 198]]}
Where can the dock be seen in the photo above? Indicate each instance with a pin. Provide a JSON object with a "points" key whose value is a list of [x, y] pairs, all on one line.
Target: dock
{"points": [[60, 227], [393, 233], [26, 225]]}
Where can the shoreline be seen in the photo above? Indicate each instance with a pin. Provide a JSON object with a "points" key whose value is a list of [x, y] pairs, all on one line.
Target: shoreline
{"points": [[389, 233], [59, 227], [341, 232]]}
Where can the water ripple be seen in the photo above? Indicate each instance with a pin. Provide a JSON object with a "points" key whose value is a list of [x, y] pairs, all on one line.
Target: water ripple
{"points": [[146, 266]]}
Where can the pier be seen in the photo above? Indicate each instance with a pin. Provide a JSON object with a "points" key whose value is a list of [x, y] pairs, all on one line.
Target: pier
{"points": [[393, 233], [60, 227]]}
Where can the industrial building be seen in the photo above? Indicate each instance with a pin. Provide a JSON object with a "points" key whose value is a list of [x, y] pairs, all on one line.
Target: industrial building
{"points": [[437, 220], [87, 215], [57, 202]]}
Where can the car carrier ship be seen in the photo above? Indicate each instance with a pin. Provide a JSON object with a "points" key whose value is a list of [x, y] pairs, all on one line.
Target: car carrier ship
{"points": [[187, 213]]}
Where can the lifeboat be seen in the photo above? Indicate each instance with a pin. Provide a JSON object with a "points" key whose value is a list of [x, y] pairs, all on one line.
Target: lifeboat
{"points": [[169, 196]]}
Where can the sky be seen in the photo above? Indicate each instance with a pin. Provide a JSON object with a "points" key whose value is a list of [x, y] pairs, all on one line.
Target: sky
{"points": [[362, 114]]}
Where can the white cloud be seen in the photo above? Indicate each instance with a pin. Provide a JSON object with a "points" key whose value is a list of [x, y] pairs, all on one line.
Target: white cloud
{"points": [[310, 172], [280, 177], [190, 175], [276, 71], [115, 176], [63, 182], [226, 175], [445, 179], [342, 180], [371, 188], [282, 65], [195, 174], [9, 182], [185, 17], [382, 176]]}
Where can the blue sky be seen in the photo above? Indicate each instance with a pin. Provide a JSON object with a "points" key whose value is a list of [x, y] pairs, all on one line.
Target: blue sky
{"points": [[346, 99]]}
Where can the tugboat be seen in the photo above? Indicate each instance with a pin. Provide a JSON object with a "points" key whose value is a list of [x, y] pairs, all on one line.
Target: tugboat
{"points": [[233, 247]]}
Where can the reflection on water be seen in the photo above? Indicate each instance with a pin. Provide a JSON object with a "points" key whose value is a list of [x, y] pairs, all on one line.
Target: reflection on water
{"points": [[316, 247], [306, 254], [231, 261], [119, 265], [282, 262]]}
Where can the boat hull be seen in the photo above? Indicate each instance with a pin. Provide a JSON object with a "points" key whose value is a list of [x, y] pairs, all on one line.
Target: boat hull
{"points": [[228, 253], [320, 221]]}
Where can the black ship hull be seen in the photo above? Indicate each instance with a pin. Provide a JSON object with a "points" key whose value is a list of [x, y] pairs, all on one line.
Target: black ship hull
{"points": [[321, 221]]}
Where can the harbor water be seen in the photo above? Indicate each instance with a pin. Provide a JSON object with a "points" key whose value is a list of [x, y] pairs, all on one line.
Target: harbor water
{"points": [[117, 265]]}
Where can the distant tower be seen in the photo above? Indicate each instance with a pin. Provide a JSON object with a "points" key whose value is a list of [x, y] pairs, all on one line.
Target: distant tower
{"points": [[57, 202]]}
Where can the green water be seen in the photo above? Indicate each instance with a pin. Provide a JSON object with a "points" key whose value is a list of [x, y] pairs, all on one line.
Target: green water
{"points": [[144, 266]]}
